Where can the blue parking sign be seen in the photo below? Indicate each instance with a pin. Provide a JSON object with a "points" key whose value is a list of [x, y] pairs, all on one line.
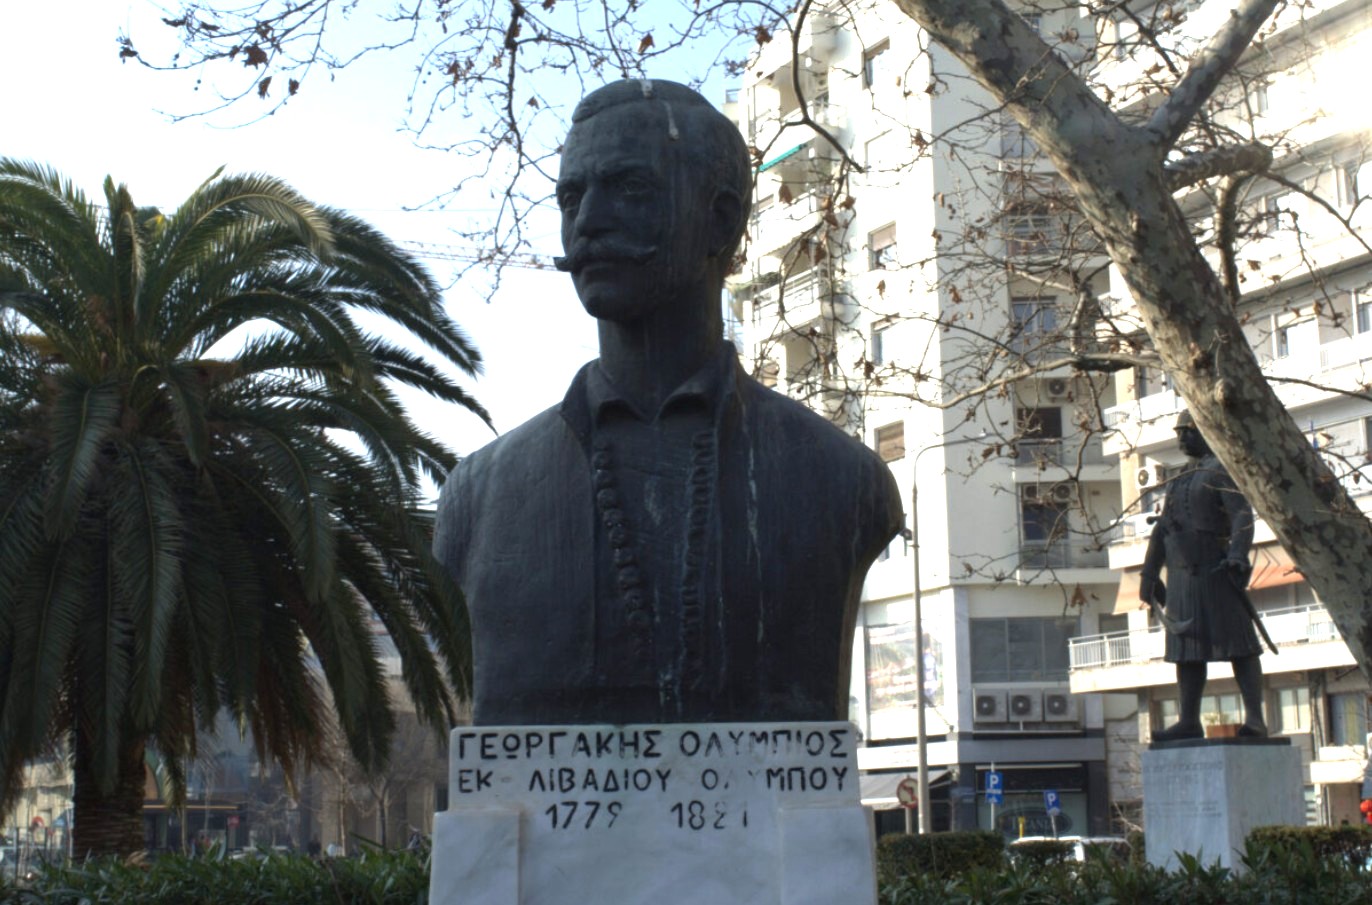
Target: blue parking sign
{"points": [[1051, 803], [995, 787]]}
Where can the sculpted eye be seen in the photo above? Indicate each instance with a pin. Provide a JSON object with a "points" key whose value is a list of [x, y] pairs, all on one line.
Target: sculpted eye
{"points": [[568, 200], [635, 186]]}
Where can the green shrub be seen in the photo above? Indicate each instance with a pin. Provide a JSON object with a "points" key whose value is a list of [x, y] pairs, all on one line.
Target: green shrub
{"points": [[938, 854], [1138, 854], [375, 878], [1353, 843], [1041, 852]]}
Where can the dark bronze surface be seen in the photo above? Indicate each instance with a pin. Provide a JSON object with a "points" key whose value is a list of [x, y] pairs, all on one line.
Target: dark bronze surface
{"points": [[674, 541]]}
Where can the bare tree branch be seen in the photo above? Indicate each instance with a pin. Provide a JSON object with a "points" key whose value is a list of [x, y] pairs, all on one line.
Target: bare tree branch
{"points": [[1209, 67]]}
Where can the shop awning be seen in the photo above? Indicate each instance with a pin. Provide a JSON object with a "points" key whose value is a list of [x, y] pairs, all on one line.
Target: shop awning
{"points": [[782, 156], [1272, 567], [879, 789]]}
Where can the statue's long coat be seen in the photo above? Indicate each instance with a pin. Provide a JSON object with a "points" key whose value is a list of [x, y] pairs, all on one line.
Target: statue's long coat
{"points": [[1205, 520]]}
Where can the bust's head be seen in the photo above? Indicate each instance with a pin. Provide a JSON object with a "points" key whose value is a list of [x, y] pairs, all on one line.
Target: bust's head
{"points": [[653, 189]]}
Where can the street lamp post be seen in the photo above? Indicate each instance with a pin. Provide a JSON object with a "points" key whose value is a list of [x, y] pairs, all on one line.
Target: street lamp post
{"points": [[921, 735]]}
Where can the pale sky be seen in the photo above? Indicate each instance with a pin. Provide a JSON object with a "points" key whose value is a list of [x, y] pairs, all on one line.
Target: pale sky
{"points": [[68, 102]]}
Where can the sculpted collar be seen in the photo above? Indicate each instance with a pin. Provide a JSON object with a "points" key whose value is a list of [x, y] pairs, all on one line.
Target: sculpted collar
{"points": [[591, 392]]}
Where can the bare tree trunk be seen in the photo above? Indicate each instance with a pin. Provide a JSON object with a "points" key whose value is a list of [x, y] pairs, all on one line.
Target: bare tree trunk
{"points": [[1116, 171], [108, 824]]}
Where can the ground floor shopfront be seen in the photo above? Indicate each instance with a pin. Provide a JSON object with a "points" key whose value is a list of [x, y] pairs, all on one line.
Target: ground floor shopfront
{"points": [[957, 789]]}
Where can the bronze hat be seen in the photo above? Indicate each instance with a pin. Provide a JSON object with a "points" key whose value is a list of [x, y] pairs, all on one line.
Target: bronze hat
{"points": [[1184, 420]]}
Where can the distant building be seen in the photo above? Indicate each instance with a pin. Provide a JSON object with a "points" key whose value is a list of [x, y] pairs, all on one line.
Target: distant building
{"points": [[1307, 308], [855, 310]]}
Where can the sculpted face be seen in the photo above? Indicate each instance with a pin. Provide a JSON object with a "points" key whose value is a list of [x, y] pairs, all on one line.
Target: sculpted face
{"points": [[635, 229], [1191, 442]]}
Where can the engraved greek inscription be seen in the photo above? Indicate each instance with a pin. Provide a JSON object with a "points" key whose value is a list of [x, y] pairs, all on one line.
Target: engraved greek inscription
{"points": [[593, 814], [472, 779]]}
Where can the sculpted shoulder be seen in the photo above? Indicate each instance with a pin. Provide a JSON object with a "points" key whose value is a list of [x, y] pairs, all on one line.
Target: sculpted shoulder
{"points": [[484, 479]]}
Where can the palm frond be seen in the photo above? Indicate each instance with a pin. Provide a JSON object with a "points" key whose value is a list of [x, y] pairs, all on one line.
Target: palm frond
{"points": [[83, 418]]}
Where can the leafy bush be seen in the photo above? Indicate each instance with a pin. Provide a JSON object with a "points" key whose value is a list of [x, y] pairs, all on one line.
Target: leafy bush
{"points": [[1041, 852], [376, 878], [938, 854], [1274, 874], [1353, 843]]}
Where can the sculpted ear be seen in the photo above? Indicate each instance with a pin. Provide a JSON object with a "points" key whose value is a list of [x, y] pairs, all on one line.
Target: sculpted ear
{"points": [[726, 221]]}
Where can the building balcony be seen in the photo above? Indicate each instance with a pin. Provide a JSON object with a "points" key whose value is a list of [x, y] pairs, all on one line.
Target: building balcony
{"points": [[1061, 554], [1058, 458], [804, 298], [1121, 661], [776, 228]]}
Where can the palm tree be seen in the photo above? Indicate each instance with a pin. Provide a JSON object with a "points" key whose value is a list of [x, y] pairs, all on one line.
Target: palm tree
{"points": [[208, 489]]}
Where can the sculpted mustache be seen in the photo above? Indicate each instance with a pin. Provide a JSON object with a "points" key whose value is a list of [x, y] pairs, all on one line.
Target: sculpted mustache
{"points": [[604, 250]]}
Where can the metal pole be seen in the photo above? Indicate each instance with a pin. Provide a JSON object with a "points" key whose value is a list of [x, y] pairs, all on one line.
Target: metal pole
{"points": [[921, 735]]}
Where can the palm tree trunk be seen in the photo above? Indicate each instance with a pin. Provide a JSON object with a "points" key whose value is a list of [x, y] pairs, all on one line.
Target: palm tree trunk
{"points": [[109, 824]]}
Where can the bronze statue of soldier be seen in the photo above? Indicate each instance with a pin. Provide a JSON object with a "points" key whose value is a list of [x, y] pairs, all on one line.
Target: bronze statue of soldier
{"points": [[673, 542], [1203, 537]]}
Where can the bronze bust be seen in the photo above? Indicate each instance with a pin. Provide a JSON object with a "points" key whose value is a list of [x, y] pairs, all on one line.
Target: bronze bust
{"points": [[674, 541]]}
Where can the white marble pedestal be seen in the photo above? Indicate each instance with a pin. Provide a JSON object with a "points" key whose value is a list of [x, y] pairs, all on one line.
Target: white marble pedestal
{"points": [[1203, 797], [689, 814]]}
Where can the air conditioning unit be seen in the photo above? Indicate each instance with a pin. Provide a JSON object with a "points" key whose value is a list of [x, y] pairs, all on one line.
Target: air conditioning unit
{"points": [[1025, 706], [1059, 707], [1145, 477], [988, 706], [1057, 388], [1066, 492]]}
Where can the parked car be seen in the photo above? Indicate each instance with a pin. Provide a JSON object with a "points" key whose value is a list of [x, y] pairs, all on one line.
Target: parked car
{"points": [[1111, 846]]}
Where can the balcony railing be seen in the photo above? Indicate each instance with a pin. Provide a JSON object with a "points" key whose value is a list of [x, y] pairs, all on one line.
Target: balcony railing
{"points": [[1058, 451], [1308, 623], [1062, 555], [800, 299]]}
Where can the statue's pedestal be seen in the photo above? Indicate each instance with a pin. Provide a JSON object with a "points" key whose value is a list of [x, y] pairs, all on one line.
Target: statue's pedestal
{"points": [[670, 814], [1204, 796]]}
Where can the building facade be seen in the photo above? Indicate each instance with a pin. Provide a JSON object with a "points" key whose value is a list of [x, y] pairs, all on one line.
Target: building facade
{"points": [[877, 264], [915, 272], [1304, 295]]}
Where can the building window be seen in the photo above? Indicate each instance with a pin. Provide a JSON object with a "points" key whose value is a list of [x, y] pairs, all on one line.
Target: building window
{"points": [[1293, 709], [1226, 709], [891, 441], [1257, 98], [1029, 228], [1347, 184], [881, 245], [1043, 522], [875, 65], [1034, 315], [1148, 381], [1282, 342], [1348, 718], [881, 348], [1362, 311], [1271, 214], [1026, 649]]}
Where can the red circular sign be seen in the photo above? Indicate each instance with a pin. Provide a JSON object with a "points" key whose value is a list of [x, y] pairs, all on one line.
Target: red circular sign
{"points": [[907, 792], [233, 820]]}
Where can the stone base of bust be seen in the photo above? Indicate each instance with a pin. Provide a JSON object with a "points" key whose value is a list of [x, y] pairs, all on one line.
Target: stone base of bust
{"points": [[1204, 796], [669, 814]]}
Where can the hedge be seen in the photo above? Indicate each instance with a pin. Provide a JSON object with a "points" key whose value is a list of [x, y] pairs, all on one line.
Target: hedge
{"points": [[938, 854]]}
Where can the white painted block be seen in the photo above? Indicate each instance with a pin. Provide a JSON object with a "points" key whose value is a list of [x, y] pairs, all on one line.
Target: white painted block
{"points": [[686, 814], [1205, 798]]}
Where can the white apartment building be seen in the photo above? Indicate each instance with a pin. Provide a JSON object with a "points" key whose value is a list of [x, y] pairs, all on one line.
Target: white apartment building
{"points": [[871, 299], [1306, 302], [898, 270]]}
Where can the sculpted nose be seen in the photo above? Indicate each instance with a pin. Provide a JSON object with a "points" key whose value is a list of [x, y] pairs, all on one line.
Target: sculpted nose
{"points": [[593, 214]]}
